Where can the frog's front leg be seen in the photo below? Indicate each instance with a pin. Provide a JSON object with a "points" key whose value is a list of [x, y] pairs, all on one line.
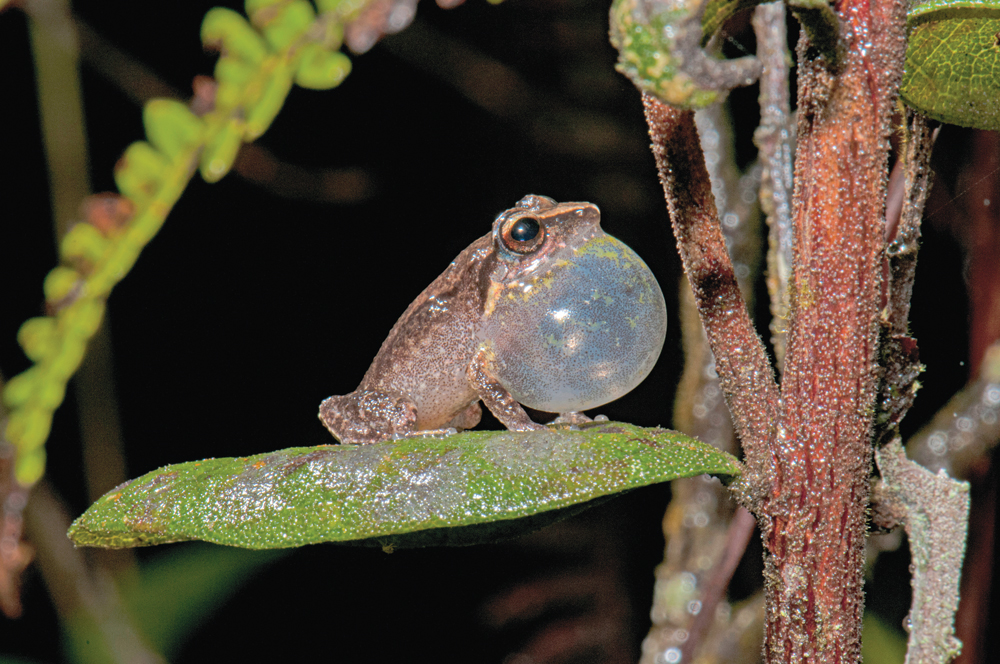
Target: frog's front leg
{"points": [[368, 416], [496, 397]]}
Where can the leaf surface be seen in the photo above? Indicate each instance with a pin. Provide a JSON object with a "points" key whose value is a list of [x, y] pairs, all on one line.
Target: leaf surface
{"points": [[953, 61], [462, 489]]}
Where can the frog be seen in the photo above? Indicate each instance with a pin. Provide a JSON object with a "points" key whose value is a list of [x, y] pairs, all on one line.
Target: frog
{"points": [[545, 311]]}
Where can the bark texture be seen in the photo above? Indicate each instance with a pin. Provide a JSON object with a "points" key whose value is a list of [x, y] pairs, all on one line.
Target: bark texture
{"points": [[815, 513]]}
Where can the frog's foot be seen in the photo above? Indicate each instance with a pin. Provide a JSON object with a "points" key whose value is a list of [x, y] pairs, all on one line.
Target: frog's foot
{"points": [[496, 397], [426, 433], [573, 418], [368, 416]]}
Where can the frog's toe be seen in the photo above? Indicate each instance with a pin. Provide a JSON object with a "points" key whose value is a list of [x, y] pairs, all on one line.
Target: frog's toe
{"points": [[572, 417]]}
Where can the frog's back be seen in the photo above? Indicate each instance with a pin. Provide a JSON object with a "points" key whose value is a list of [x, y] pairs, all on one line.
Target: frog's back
{"points": [[428, 350]]}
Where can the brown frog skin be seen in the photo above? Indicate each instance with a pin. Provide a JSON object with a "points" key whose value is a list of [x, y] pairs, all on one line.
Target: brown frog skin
{"points": [[431, 371]]}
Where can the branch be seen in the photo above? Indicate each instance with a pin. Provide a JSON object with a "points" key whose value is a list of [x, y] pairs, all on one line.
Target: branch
{"points": [[963, 432], [935, 512], [815, 522], [688, 584], [740, 360], [775, 138], [740, 530], [900, 360]]}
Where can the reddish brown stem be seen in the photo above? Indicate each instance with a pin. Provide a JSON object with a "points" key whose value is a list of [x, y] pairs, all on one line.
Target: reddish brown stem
{"points": [[744, 371], [816, 510]]}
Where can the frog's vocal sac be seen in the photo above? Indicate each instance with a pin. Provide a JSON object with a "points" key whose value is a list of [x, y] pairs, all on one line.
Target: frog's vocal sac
{"points": [[546, 310]]}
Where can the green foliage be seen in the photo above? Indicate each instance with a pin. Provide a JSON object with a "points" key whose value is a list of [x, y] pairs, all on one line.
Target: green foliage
{"points": [[287, 42], [952, 69], [462, 489], [953, 62], [650, 55]]}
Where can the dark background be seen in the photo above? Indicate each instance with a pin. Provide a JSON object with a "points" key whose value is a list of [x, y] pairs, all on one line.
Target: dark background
{"points": [[256, 301]]}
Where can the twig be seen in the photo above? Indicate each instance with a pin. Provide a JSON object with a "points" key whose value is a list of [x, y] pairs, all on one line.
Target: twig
{"points": [[741, 363], [740, 530], [935, 511], [902, 251], [900, 360], [775, 138], [701, 510]]}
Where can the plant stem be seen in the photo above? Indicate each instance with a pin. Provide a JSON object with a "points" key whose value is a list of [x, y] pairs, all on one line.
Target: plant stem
{"points": [[814, 526], [812, 447], [740, 360]]}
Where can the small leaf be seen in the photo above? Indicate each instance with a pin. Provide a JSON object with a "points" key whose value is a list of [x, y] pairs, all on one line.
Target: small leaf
{"points": [[37, 337], [59, 283], [228, 29], [84, 317], [171, 126], [260, 117], [83, 241], [220, 153], [233, 76], [19, 388], [320, 69], [289, 23], [462, 489], [29, 427], [140, 171], [952, 69]]}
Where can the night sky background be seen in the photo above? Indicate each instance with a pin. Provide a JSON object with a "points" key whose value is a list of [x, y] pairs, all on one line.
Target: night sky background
{"points": [[260, 297]]}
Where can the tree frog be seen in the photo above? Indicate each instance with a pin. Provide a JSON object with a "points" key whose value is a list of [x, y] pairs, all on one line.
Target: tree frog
{"points": [[546, 310]]}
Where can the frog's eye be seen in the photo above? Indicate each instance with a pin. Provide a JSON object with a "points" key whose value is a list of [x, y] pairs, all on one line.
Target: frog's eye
{"points": [[522, 235]]}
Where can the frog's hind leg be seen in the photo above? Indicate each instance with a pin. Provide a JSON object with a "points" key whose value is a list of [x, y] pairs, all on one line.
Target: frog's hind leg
{"points": [[467, 418], [368, 416]]}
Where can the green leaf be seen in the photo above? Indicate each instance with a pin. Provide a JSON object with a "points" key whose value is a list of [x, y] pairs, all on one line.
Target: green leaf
{"points": [[171, 126], [320, 69], [289, 24], [221, 150], [226, 29], [263, 112], [461, 489], [952, 69]]}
